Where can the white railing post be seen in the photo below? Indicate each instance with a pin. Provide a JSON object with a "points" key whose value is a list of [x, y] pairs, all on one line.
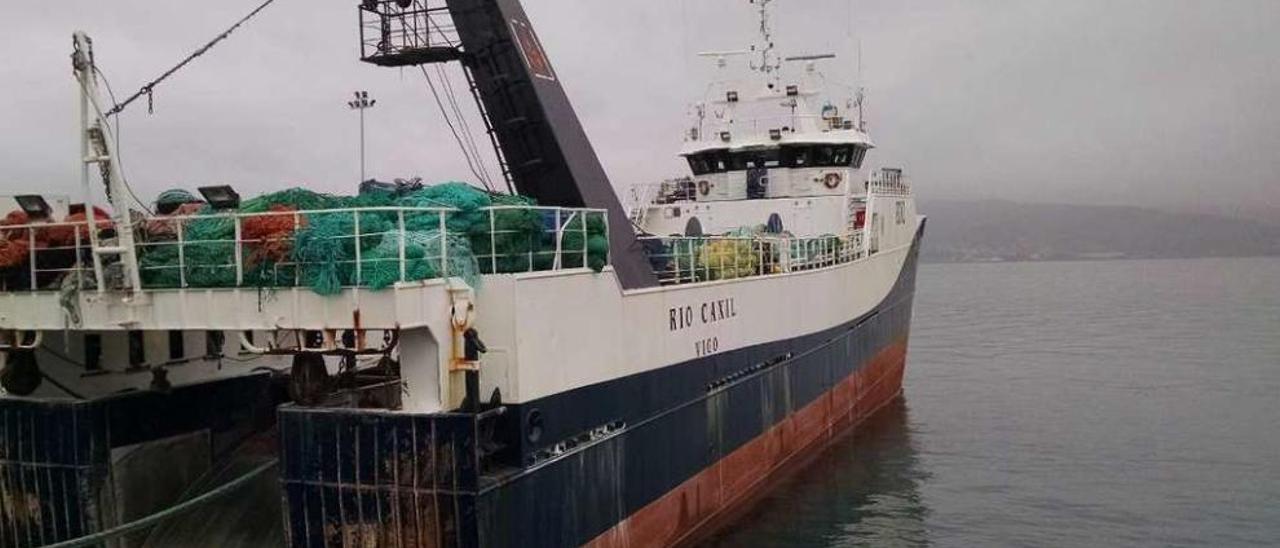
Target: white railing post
{"points": [[297, 265], [359, 264], [760, 256], [707, 265], [675, 257], [404, 272], [493, 243], [79, 260], [608, 249], [558, 261], [31, 251], [239, 234], [182, 253], [444, 245], [586, 218], [720, 260]]}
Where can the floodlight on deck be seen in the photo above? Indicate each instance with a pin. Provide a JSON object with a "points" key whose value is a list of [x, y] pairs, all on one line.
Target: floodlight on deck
{"points": [[36, 207], [221, 197]]}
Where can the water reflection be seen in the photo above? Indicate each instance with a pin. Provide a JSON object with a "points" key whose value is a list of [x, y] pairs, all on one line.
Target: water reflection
{"points": [[863, 491]]}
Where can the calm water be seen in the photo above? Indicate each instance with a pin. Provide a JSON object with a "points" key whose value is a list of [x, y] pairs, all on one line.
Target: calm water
{"points": [[1132, 403]]}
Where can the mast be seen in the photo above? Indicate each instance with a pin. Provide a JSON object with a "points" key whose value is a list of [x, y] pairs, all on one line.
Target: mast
{"points": [[96, 148], [769, 63]]}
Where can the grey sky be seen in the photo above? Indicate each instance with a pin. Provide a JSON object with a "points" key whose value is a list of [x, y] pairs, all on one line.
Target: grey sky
{"points": [[1170, 103]]}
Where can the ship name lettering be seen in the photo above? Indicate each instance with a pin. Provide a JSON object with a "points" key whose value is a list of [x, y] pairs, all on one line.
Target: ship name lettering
{"points": [[684, 317], [707, 347]]}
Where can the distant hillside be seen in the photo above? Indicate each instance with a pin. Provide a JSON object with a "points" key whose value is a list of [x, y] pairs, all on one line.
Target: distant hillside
{"points": [[1007, 231]]}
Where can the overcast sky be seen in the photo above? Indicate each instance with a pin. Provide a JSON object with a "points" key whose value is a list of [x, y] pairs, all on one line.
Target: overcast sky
{"points": [[1168, 103]]}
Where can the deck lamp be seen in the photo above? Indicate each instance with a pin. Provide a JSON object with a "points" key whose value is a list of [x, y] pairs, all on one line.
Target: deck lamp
{"points": [[725, 136], [775, 134], [731, 96], [36, 208], [221, 197], [793, 91]]}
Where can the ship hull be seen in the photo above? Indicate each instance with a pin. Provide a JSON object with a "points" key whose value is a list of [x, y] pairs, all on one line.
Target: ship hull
{"points": [[710, 498], [358, 477], [71, 468]]}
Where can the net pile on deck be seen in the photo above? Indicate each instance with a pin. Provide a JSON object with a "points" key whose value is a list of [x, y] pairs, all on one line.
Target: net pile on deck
{"points": [[741, 253], [52, 248], [294, 238]]}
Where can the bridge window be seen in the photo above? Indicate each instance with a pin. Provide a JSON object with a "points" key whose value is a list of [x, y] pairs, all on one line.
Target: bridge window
{"points": [[699, 164], [859, 154], [720, 161], [797, 156], [704, 163], [823, 156], [755, 159]]}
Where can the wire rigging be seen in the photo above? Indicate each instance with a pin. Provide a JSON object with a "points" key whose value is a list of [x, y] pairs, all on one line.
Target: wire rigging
{"points": [[454, 130], [119, 150], [457, 111], [463, 124], [150, 87], [115, 130]]}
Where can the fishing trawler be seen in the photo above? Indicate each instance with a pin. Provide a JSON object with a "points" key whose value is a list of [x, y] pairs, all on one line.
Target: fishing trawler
{"points": [[460, 368]]}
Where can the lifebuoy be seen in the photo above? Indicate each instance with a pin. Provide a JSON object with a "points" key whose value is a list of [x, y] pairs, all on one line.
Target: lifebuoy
{"points": [[832, 180], [704, 187]]}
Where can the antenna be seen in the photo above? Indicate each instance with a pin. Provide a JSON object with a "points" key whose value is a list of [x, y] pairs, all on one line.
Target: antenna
{"points": [[859, 60], [721, 57], [814, 57], [768, 60]]}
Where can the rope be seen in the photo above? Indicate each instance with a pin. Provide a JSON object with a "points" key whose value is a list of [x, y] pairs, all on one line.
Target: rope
{"points": [[180, 508], [119, 162], [147, 89], [456, 137], [465, 128], [462, 120]]}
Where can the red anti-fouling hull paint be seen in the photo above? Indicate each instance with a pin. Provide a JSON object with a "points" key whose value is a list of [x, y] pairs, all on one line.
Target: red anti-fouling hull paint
{"points": [[694, 507]]}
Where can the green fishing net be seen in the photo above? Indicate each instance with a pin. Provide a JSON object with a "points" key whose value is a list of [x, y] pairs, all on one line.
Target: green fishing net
{"points": [[294, 243]]}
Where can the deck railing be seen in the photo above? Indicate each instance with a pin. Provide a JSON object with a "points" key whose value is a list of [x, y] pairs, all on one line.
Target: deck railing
{"points": [[352, 247], [685, 260], [888, 183], [45, 253], [568, 237]]}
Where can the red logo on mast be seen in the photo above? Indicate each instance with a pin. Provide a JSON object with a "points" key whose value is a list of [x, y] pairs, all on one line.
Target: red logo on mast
{"points": [[531, 49]]}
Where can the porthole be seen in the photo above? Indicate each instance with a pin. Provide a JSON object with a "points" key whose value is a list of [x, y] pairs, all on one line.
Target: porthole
{"points": [[534, 426]]}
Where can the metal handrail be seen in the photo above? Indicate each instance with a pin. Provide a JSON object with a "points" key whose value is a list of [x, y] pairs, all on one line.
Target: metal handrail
{"points": [[698, 259], [889, 188], [241, 248]]}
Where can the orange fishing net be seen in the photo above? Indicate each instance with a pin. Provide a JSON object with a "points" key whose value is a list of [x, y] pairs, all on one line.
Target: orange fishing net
{"points": [[269, 236]]}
